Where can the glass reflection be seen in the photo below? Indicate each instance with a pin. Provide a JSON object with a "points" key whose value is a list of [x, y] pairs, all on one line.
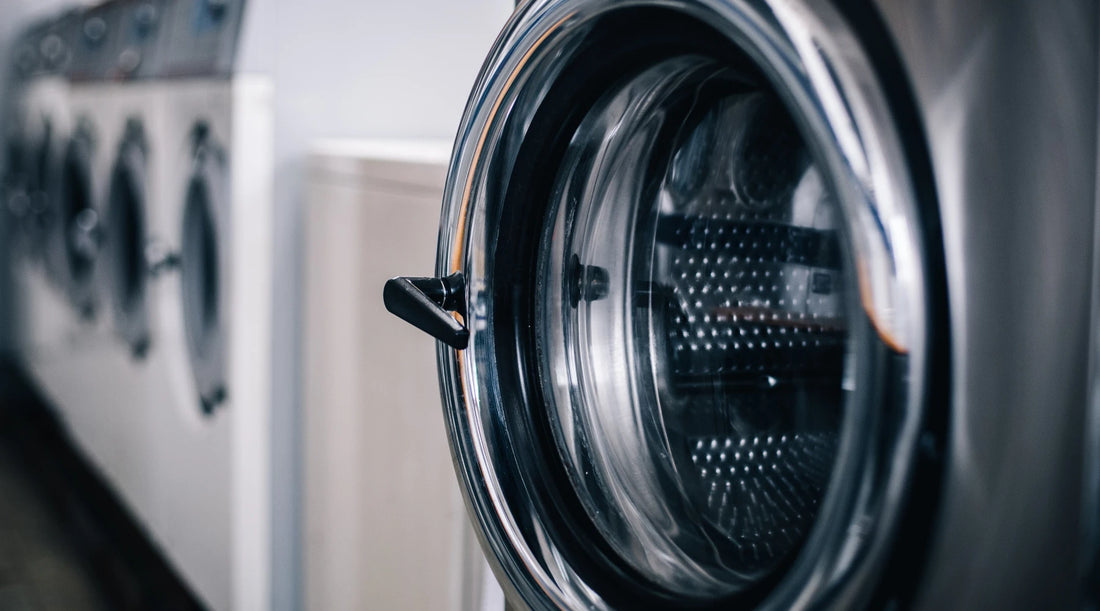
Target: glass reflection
{"points": [[694, 337]]}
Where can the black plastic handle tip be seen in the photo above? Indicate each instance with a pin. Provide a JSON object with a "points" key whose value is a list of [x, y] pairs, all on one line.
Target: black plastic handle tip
{"points": [[427, 303]]}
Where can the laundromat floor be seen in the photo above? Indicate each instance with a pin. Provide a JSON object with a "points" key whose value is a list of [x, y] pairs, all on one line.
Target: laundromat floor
{"points": [[66, 541], [39, 566]]}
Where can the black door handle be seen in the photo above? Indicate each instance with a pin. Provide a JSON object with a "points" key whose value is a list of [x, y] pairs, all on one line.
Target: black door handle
{"points": [[427, 303]]}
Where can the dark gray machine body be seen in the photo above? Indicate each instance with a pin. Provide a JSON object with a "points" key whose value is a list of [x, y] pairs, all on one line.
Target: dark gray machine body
{"points": [[1006, 93]]}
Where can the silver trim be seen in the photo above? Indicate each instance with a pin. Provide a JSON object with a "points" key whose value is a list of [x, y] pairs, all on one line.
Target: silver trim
{"points": [[815, 62]]}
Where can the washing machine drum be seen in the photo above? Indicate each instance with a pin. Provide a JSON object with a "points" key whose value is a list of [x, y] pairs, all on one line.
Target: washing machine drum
{"points": [[681, 298], [125, 241]]}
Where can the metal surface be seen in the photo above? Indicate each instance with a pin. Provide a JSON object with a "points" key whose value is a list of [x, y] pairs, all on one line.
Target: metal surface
{"points": [[222, 538], [809, 55], [1007, 95], [676, 311]]}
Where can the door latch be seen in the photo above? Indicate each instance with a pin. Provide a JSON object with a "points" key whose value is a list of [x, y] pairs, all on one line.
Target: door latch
{"points": [[427, 303]]}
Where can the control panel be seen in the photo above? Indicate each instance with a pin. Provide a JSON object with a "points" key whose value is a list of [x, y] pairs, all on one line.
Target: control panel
{"points": [[45, 48], [134, 39]]}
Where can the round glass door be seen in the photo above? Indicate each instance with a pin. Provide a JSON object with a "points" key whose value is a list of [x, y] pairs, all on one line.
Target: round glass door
{"points": [[79, 221], [687, 365], [201, 276], [126, 241]]}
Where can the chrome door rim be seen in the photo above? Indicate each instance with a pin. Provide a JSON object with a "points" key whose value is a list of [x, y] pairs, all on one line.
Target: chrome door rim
{"points": [[816, 64]]}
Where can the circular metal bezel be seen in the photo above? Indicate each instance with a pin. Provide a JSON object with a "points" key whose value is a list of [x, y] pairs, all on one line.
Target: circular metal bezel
{"points": [[816, 65]]}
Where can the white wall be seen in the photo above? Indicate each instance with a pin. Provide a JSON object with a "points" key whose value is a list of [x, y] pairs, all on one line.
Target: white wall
{"points": [[347, 68], [398, 68]]}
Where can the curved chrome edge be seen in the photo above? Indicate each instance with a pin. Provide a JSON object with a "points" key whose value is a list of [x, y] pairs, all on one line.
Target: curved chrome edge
{"points": [[817, 64], [1090, 495]]}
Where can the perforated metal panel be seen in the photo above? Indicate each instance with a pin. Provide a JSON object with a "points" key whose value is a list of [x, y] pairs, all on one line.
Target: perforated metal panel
{"points": [[754, 335]]}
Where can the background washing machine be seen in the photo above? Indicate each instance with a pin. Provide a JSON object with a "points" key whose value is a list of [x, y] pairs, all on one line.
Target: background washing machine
{"points": [[38, 128], [103, 197], [210, 452], [144, 306], [71, 130]]}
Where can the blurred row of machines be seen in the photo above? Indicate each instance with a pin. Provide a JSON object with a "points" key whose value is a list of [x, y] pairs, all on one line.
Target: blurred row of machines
{"points": [[137, 188]]}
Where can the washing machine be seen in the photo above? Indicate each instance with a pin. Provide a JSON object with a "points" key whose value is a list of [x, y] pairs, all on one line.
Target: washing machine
{"points": [[63, 130], [103, 198], [80, 198], [144, 269], [775, 303], [38, 127], [211, 454], [207, 259]]}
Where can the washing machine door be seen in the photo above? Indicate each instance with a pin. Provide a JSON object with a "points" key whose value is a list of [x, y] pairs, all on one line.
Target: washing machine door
{"points": [[79, 229], [681, 298], [126, 240], [201, 269]]}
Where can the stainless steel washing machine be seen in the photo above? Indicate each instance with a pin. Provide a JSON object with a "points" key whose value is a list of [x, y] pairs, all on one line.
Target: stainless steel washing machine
{"points": [[775, 303]]}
